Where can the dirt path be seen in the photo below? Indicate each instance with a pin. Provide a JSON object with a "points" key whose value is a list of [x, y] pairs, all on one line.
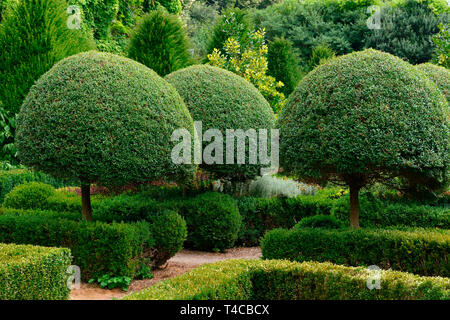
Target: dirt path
{"points": [[179, 264]]}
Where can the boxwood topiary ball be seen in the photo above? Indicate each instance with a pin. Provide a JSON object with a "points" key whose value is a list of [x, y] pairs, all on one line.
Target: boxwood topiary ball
{"points": [[223, 100], [102, 118], [439, 75], [365, 117]]}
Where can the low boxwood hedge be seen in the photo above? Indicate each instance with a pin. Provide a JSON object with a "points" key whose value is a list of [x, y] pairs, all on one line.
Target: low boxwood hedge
{"points": [[283, 280], [98, 248], [11, 178], [33, 273], [420, 251]]}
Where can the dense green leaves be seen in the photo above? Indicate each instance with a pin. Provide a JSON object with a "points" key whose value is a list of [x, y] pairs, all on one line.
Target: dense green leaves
{"points": [[103, 118], [283, 280], [32, 195], [160, 42], [33, 273], [223, 100], [419, 251], [439, 75], [363, 117]]}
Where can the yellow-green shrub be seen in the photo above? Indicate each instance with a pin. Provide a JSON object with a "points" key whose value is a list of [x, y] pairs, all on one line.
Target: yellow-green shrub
{"points": [[283, 280], [33, 273]]}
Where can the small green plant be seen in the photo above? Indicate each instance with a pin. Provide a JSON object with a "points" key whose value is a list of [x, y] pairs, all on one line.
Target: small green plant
{"points": [[109, 282], [250, 62], [320, 54], [144, 272]]}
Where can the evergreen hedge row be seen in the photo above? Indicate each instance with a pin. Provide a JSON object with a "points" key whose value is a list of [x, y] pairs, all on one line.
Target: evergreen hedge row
{"points": [[33, 273], [283, 280]]}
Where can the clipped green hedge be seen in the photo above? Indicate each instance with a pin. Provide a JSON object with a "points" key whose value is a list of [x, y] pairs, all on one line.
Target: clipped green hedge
{"points": [[30, 195], [439, 75], [97, 248], [283, 280], [11, 178], [418, 251], [33, 273]]}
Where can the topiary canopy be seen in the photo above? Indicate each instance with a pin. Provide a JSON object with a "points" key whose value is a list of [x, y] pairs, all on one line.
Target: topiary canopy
{"points": [[102, 118], [439, 75], [223, 100], [364, 117]]}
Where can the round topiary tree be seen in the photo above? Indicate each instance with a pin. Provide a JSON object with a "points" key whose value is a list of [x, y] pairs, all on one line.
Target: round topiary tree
{"points": [[223, 100], [160, 42], [102, 119], [439, 75], [364, 117]]}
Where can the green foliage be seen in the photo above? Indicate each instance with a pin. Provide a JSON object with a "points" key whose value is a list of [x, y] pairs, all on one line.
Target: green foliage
{"points": [[98, 15], [439, 75], [419, 251], [106, 281], [374, 213], [33, 37], [31, 195], [283, 280], [11, 178], [320, 221], [213, 221], [339, 24], [160, 42], [406, 31], [111, 121], [250, 62], [167, 227], [234, 23], [379, 119], [320, 55], [442, 42], [97, 248], [269, 186], [223, 100], [33, 273], [283, 64]]}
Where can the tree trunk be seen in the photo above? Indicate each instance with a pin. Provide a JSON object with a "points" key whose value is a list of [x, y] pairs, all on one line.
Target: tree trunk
{"points": [[86, 208], [354, 207]]}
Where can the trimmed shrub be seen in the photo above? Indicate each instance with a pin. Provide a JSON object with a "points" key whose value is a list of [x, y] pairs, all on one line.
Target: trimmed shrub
{"points": [[160, 42], [283, 280], [97, 248], [439, 75], [11, 178], [167, 227], [31, 195], [33, 273], [380, 118], [269, 186], [419, 251], [213, 221], [223, 100], [283, 64], [320, 221], [102, 118], [374, 213]]}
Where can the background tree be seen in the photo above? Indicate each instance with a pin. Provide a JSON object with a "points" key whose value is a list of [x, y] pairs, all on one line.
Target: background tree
{"points": [[283, 64], [379, 119], [160, 42], [406, 31], [442, 50], [320, 54], [250, 62], [104, 119], [33, 37]]}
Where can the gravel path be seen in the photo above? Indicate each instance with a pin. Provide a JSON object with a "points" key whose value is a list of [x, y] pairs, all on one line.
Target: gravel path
{"points": [[182, 262]]}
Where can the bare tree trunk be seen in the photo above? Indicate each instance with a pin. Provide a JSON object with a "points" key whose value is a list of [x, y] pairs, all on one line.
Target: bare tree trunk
{"points": [[354, 207], [86, 208]]}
